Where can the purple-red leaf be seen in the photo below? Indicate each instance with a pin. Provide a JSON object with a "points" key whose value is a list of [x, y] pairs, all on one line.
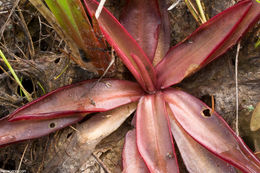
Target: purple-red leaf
{"points": [[123, 43], [208, 42], [142, 19], [154, 140], [22, 130], [83, 97], [149, 83], [132, 161], [210, 130], [196, 157]]}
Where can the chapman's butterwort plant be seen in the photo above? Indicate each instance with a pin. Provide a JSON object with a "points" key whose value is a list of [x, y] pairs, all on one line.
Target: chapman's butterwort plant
{"points": [[163, 114]]}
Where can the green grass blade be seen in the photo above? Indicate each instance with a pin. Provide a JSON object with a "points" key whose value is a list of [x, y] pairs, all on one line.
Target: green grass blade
{"points": [[61, 10], [40, 85], [201, 11], [63, 14], [27, 95], [73, 19]]}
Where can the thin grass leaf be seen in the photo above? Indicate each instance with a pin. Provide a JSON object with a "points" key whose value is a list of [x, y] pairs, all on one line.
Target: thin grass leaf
{"points": [[193, 11], [202, 14], [17, 80]]}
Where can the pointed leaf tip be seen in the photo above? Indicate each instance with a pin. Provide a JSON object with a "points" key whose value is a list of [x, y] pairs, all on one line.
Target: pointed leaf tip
{"points": [[123, 43], [142, 19], [196, 157], [196, 117], [83, 97], [164, 38], [11, 132], [207, 43]]}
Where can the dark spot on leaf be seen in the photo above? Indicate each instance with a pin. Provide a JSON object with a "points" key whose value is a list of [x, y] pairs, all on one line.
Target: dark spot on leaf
{"points": [[206, 112], [92, 102], [52, 125]]}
